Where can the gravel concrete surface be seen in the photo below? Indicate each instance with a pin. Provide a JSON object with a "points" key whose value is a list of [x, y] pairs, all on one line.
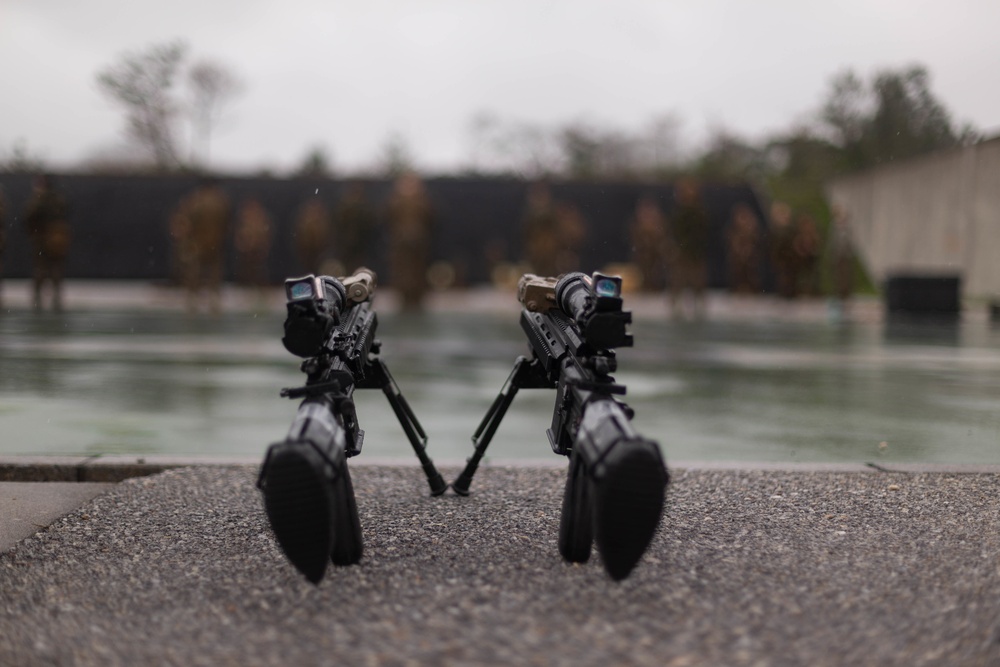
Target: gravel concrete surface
{"points": [[749, 568]]}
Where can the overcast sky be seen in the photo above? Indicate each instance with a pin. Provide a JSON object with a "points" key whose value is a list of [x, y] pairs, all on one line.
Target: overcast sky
{"points": [[344, 75]]}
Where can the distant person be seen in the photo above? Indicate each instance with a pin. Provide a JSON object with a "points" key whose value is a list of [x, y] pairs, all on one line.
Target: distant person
{"points": [[842, 259], [253, 244], [808, 252], [3, 237], [202, 224], [410, 226], [743, 251], [179, 228], [540, 231], [571, 233], [354, 228], [49, 233], [783, 255], [648, 233], [688, 237], [312, 234]]}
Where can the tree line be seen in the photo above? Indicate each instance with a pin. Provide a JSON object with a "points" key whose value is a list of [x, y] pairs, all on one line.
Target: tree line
{"points": [[860, 122]]}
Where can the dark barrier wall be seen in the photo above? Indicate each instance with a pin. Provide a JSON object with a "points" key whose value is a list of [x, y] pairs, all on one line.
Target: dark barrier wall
{"points": [[120, 224]]}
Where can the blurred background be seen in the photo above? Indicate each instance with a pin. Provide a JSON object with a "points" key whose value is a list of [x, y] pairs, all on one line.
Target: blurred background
{"points": [[803, 200]]}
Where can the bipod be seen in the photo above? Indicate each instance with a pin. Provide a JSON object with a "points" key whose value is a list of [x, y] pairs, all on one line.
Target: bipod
{"points": [[525, 375], [377, 375]]}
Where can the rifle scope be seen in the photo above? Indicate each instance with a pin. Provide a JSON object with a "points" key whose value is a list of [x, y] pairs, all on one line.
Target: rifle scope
{"points": [[595, 304], [314, 306]]}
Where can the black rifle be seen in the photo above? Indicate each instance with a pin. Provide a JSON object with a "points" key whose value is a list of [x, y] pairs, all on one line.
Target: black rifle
{"points": [[617, 480], [306, 485]]}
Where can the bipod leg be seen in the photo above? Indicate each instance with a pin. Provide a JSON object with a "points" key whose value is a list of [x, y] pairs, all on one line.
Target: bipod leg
{"points": [[408, 420], [348, 542], [517, 379], [576, 523]]}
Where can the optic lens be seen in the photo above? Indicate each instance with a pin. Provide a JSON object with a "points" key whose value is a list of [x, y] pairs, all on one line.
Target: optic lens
{"points": [[607, 287], [301, 290]]}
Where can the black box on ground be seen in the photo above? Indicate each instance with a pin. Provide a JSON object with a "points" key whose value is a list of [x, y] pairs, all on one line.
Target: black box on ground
{"points": [[923, 295]]}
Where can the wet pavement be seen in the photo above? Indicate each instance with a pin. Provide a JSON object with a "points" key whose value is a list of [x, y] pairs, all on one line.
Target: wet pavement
{"points": [[748, 568], [126, 371]]}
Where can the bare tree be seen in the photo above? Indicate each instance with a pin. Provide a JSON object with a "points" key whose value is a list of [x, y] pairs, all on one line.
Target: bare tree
{"points": [[533, 150], [894, 115], [846, 109], [577, 149], [661, 148], [509, 146], [481, 129], [315, 164], [395, 157], [582, 149], [212, 87], [21, 160], [592, 151], [142, 83]]}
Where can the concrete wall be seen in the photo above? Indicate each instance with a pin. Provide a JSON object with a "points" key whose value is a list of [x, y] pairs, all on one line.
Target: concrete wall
{"points": [[939, 214]]}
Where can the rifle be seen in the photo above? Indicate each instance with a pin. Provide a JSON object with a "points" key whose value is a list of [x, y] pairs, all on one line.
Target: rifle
{"points": [[616, 484], [308, 496]]}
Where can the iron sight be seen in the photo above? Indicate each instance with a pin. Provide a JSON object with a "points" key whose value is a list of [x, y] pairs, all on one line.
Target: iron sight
{"points": [[308, 496], [616, 486]]}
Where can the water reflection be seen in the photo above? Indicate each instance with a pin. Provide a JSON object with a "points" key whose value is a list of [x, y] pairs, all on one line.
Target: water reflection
{"points": [[86, 383], [932, 332]]}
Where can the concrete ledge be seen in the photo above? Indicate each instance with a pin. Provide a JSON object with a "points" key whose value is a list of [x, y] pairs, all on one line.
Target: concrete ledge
{"points": [[115, 468], [869, 466], [102, 468], [41, 468], [938, 468], [83, 469], [782, 466]]}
